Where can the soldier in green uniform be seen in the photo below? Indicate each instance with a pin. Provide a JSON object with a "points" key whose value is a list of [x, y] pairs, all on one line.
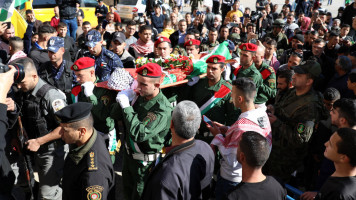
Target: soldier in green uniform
{"points": [[101, 98], [279, 36], [268, 89], [213, 96], [249, 70], [293, 121], [147, 121]]}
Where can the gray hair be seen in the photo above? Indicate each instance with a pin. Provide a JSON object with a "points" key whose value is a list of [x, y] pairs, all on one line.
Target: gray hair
{"points": [[338, 21], [218, 16], [345, 63], [186, 119]]}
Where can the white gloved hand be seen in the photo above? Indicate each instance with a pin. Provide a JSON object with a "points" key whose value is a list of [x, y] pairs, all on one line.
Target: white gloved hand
{"points": [[131, 94], [88, 88], [123, 100]]}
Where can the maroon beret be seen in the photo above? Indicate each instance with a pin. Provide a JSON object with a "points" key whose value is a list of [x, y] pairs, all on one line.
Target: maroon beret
{"points": [[215, 59], [83, 63], [192, 42], [152, 70], [160, 40], [248, 47]]}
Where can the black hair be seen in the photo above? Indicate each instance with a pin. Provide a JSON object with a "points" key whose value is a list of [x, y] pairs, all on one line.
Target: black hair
{"points": [[333, 34], [331, 94], [86, 23], [314, 32], [272, 42], [29, 11], [345, 25], [144, 28], [212, 29], [118, 24], [62, 24], [255, 148], [246, 86], [347, 109], [347, 145], [131, 23], [287, 74], [251, 24]]}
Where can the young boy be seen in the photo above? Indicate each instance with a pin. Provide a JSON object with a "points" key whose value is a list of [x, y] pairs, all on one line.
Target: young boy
{"points": [[270, 58]]}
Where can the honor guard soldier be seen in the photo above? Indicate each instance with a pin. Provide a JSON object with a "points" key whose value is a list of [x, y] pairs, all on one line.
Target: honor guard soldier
{"points": [[57, 71], [147, 120], [213, 96], [88, 171], [39, 101], [102, 100], [105, 61], [248, 69], [268, 89]]}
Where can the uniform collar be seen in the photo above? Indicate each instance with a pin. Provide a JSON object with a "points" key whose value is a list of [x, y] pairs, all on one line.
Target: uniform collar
{"points": [[215, 87], [78, 153], [39, 84], [148, 104]]}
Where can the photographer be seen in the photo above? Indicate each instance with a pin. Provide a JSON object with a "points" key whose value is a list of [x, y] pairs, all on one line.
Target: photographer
{"points": [[7, 177], [264, 23]]}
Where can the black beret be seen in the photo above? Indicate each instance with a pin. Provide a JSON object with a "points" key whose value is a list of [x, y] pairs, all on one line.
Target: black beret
{"points": [[74, 112]]}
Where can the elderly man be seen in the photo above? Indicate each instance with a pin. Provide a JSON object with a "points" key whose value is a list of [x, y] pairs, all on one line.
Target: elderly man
{"points": [[180, 173], [147, 120], [88, 172]]}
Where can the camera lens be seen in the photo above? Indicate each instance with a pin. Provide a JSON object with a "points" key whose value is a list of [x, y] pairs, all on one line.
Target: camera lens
{"points": [[19, 74]]}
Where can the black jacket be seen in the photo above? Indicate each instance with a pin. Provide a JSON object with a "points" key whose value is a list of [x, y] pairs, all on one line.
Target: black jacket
{"points": [[174, 38], [184, 173], [67, 8], [39, 56]]}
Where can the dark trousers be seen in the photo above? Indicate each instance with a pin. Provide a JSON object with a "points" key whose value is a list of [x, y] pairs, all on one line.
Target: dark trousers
{"points": [[216, 7], [224, 10]]}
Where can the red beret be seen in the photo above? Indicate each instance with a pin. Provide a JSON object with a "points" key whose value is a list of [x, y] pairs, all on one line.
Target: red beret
{"points": [[83, 63], [248, 47], [192, 42], [216, 59], [152, 70], [160, 40]]}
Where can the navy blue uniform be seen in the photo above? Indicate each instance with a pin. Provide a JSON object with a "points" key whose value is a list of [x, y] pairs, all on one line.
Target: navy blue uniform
{"points": [[106, 63]]}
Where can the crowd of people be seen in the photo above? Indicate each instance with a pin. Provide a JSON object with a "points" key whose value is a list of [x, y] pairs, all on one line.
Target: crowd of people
{"points": [[281, 111]]}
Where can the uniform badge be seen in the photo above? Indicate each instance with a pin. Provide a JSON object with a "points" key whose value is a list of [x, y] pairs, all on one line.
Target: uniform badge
{"points": [[149, 118], [144, 72], [58, 104], [51, 42], [75, 67], [300, 128], [90, 37], [244, 48], [105, 99], [272, 83], [94, 192], [161, 39], [190, 42], [215, 60], [92, 162]]}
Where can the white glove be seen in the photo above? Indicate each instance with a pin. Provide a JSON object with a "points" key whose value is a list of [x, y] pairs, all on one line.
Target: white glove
{"points": [[123, 100], [88, 88], [193, 80], [131, 94]]}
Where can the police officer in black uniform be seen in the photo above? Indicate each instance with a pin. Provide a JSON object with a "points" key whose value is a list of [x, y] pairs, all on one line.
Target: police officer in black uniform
{"points": [[57, 71], [88, 171], [105, 61]]}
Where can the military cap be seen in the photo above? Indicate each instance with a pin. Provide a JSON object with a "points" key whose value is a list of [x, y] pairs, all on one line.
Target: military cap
{"points": [[216, 59], [235, 38], [278, 23], [83, 63], [119, 36], [162, 39], [92, 38], [192, 42], [299, 37], [55, 43], [74, 112], [248, 47], [308, 67], [152, 70]]}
